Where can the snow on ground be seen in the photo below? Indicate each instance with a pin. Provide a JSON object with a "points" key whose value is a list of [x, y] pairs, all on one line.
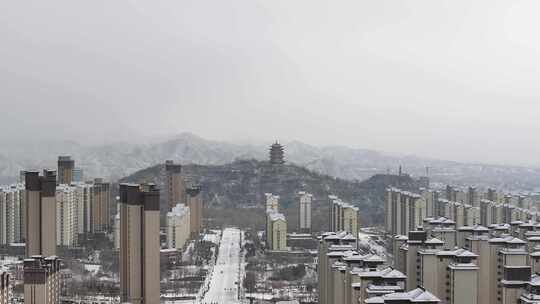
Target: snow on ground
{"points": [[213, 237], [224, 279]]}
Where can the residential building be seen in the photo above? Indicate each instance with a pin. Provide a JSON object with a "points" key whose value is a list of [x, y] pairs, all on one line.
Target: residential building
{"points": [[276, 231], [42, 280], [178, 226], [40, 213], [195, 205], [101, 206], [139, 244], [272, 202], [304, 212], [65, 170], [175, 184], [5, 288]]}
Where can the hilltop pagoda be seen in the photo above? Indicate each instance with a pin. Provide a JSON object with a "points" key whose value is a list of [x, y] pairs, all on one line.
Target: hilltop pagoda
{"points": [[277, 154]]}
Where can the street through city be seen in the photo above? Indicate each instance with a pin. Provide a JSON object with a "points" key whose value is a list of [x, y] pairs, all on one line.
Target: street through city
{"points": [[225, 278]]}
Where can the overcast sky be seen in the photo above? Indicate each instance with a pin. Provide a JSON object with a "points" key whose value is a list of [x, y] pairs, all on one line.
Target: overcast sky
{"points": [[456, 80]]}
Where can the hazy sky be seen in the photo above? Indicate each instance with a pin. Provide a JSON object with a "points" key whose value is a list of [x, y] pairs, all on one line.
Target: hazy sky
{"points": [[453, 79]]}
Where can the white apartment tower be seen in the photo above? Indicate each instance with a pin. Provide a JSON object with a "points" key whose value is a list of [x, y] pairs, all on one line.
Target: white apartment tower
{"points": [[178, 226]]}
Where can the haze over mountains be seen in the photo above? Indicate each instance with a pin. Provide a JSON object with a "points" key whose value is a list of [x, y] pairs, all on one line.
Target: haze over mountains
{"points": [[114, 161]]}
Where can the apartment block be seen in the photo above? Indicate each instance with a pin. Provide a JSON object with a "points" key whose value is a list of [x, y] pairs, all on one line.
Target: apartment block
{"points": [[5, 288], [195, 205], [343, 216], [272, 202], [175, 184], [139, 244], [42, 280], [12, 205], [40, 212], [66, 216], [304, 212], [276, 231], [178, 226], [65, 170], [100, 221]]}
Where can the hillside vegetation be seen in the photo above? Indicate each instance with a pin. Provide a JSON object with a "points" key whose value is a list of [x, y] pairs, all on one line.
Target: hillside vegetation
{"points": [[234, 193]]}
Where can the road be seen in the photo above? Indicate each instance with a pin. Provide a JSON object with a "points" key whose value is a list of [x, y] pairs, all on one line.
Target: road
{"points": [[223, 287]]}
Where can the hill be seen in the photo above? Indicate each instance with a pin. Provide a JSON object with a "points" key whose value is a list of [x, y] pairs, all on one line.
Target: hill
{"points": [[113, 161], [234, 192]]}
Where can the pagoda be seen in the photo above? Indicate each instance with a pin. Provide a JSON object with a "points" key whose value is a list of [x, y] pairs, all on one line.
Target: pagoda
{"points": [[277, 155]]}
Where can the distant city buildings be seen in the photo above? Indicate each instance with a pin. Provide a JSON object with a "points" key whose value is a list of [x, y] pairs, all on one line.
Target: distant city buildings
{"points": [[139, 244], [466, 246], [304, 212]]}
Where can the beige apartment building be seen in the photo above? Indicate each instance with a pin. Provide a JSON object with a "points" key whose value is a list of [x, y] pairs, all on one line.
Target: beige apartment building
{"points": [[304, 212], [101, 206], [5, 288], [42, 280], [175, 184], [195, 205], [276, 231], [344, 216], [65, 170], [41, 213], [139, 244]]}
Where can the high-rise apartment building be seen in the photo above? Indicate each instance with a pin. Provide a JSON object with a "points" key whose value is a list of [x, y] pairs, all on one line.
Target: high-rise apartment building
{"points": [[178, 226], [195, 205], [65, 169], [5, 288], [272, 202], [276, 231], [404, 211], [304, 212], [66, 216], [41, 280], [12, 202], [101, 206], [139, 244], [40, 213], [175, 184], [77, 175], [343, 216], [84, 202]]}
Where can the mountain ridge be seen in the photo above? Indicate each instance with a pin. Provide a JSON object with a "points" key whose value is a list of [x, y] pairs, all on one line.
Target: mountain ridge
{"points": [[115, 160]]}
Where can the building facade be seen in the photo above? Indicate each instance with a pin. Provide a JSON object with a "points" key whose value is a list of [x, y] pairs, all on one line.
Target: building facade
{"points": [[175, 184], [65, 170], [178, 226], [304, 212], [40, 213], [139, 244]]}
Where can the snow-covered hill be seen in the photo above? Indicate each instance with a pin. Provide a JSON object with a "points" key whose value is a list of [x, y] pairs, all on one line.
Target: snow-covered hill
{"points": [[113, 161]]}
